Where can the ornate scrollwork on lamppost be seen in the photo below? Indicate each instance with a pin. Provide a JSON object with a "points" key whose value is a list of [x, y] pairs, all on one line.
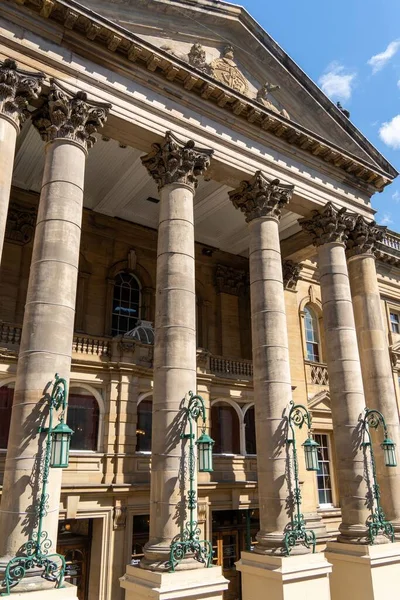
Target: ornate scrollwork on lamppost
{"points": [[188, 542], [56, 456], [377, 522], [296, 530]]}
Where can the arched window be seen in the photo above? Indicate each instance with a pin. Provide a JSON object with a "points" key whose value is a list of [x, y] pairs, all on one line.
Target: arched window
{"points": [[312, 335], [144, 424], [250, 431], [126, 303], [6, 399], [83, 418], [225, 429]]}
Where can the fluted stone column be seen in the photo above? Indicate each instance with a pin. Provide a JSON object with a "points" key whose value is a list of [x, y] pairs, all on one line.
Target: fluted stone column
{"points": [[66, 123], [262, 202], [17, 87], [329, 230], [374, 352], [175, 166]]}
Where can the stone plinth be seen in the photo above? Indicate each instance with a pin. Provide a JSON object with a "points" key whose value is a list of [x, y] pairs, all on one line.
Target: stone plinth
{"points": [[141, 584], [67, 591], [364, 572], [301, 577]]}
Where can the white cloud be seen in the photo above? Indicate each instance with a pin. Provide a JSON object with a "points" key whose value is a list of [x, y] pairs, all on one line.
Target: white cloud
{"points": [[380, 60], [386, 219], [396, 197], [390, 132], [336, 82]]}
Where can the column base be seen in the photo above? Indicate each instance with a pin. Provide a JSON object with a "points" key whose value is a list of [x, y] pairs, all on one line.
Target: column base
{"points": [[363, 572], [207, 584], [285, 578], [68, 592]]}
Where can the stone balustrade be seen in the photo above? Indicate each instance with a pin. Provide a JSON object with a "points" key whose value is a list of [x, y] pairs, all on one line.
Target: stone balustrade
{"points": [[231, 367], [317, 373]]}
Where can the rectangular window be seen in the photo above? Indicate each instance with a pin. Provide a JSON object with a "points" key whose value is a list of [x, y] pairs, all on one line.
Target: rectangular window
{"points": [[395, 322], [324, 481]]}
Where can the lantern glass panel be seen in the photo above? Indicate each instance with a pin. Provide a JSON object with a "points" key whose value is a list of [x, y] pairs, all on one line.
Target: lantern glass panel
{"points": [[311, 454], [60, 437], [204, 448], [389, 453]]}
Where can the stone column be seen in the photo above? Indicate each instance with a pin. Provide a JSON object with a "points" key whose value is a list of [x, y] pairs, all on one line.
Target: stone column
{"points": [[329, 230], [262, 202], [175, 166], [374, 353], [66, 123], [17, 87]]}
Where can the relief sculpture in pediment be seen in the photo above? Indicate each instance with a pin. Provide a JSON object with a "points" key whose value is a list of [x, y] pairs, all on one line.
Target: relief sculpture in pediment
{"points": [[265, 97], [225, 70]]}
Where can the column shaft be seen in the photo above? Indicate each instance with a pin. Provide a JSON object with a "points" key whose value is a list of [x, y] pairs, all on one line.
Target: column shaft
{"points": [[272, 386], [174, 365], [8, 136], [346, 389], [45, 344], [376, 370]]}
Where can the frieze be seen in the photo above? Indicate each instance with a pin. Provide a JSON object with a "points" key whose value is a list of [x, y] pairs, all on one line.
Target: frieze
{"points": [[21, 221]]}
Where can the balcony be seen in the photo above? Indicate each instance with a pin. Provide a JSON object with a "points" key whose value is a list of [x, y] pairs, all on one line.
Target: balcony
{"points": [[317, 374], [388, 250]]}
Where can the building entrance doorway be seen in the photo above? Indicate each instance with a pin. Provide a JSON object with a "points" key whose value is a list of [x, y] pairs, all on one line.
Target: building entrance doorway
{"points": [[74, 543], [232, 532]]}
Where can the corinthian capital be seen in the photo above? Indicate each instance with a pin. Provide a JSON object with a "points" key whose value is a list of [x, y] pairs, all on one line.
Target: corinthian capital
{"points": [[363, 237], [330, 225], [260, 197], [71, 116], [17, 88], [174, 161]]}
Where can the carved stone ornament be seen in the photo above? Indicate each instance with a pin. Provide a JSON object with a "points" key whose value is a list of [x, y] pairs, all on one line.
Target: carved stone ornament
{"points": [[229, 280], [197, 58], [363, 237], [330, 225], [71, 116], [225, 70], [265, 97], [21, 222], [175, 161], [17, 88], [260, 197], [119, 516], [291, 273]]}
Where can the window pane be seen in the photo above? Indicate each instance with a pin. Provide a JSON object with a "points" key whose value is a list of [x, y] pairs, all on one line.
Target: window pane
{"points": [[312, 335], [324, 483], [395, 322], [6, 398], [225, 429], [126, 303], [250, 431], [144, 422], [83, 418]]}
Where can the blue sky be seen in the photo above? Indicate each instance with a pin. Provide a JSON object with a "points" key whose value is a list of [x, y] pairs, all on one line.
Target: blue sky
{"points": [[350, 48]]}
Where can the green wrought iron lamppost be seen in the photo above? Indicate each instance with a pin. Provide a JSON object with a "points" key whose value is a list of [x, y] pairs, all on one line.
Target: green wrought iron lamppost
{"points": [[189, 542], [296, 531], [56, 456], [377, 522]]}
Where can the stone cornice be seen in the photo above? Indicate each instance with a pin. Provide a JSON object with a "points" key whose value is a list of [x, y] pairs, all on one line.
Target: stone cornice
{"points": [[259, 197], [116, 39], [175, 161]]}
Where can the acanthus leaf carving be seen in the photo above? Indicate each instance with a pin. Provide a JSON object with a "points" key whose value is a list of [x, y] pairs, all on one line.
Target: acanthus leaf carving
{"points": [[362, 239], [21, 222], [329, 225], [230, 280], [260, 197], [175, 161], [70, 116], [17, 88], [291, 274]]}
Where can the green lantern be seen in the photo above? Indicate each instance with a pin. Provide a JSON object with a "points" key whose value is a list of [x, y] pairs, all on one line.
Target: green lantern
{"points": [[311, 454], [389, 452], [61, 438], [204, 450]]}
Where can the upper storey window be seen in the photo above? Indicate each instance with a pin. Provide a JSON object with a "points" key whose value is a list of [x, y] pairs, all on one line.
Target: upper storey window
{"points": [[395, 322], [312, 335], [126, 303]]}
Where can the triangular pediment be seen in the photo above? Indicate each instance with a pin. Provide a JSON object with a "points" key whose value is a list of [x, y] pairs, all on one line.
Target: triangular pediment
{"points": [[223, 41], [321, 402]]}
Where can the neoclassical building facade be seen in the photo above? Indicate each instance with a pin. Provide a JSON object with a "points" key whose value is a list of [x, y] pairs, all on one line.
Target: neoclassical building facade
{"points": [[182, 209]]}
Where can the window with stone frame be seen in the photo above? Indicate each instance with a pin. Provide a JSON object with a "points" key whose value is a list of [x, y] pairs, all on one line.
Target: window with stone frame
{"points": [[83, 417], [144, 425], [395, 322], [311, 330], [126, 305], [225, 429], [324, 473]]}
